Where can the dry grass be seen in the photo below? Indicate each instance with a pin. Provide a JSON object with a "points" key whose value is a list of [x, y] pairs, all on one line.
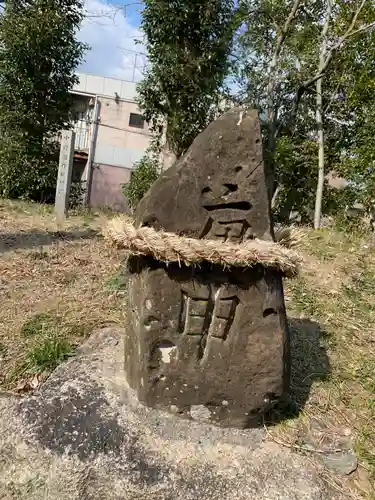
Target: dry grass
{"points": [[56, 285], [332, 310]]}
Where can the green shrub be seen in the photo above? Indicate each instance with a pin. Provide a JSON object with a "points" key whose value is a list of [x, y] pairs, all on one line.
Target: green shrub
{"points": [[25, 177], [145, 174], [76, 195], [38, 58]]}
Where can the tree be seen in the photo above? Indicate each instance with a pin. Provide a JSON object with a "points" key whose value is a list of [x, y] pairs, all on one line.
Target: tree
{"points": [[188, 45], [38, 57], [145, 173], [325, 58], [274, 50], [286, 49], [354, 99]]}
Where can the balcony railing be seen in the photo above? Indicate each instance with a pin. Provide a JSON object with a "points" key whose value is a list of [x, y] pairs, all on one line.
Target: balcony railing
{"points": [[82, 139]]}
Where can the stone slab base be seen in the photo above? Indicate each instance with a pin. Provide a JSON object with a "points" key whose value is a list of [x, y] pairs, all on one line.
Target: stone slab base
{"points": [[83, 436]]}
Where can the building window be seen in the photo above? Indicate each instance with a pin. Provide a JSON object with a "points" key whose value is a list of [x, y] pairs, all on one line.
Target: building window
{"points": [[136, 120]]}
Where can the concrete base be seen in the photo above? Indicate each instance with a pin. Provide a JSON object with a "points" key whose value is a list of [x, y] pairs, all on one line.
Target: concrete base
{"points": [[84, 436]]}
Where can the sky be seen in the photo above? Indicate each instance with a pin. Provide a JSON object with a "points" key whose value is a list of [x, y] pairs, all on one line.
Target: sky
{"points": [[110, 29]]}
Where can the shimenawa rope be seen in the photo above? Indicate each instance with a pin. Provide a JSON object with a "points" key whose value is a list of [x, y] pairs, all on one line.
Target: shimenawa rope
{"points": [[169, 247]]}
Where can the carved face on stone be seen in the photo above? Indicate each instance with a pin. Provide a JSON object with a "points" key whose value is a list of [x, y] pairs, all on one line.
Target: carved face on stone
{"points": [[217, 190], [225, 199]]}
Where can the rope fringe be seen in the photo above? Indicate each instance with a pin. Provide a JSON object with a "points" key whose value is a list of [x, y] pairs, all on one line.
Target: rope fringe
{"points": [[168, 247]]}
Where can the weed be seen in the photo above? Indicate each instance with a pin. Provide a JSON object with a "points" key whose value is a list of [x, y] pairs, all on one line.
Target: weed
{"points": [[366, 375], [364, 282], [39, 324], [304, 299], [354, 226], [364, 448], [59, 295], [47, 355], [118, 282], [343, 302], [38, 254], [44, 209]]}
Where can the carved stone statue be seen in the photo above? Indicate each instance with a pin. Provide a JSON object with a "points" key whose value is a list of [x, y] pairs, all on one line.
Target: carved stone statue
{"points": [[205, 340]]}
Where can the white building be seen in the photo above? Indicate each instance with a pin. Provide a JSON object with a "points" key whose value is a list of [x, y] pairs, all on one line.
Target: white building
{"points": [[111, 135]]}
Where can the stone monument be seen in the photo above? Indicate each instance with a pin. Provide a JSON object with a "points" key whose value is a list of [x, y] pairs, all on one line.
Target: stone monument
{"points": [[205, 341], [64, 175]]}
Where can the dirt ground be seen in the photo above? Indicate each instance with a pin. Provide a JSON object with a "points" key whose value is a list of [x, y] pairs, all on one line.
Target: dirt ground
{"points": [[331, 311], [58, 283]]}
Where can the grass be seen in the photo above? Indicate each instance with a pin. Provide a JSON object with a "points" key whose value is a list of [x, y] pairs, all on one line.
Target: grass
{"points": [[58, 283], [36, 325], [3, 350], [47, 355], [332, 311], [117, 282], [53, 287]]}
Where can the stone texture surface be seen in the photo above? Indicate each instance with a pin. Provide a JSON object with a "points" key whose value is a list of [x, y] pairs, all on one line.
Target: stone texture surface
{"points": [[84, 436], [208, 336], [343, 463], [220, 178], [336, 447]]}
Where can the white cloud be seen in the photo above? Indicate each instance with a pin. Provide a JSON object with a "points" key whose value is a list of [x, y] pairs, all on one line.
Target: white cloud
{"points": [[111, 37]]}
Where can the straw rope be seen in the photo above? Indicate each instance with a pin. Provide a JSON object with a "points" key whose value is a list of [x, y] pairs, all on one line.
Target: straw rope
{"points": [[169, 247]]}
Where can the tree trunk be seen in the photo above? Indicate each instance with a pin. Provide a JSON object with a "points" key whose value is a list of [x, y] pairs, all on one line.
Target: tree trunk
{"points": [[271, 132], [319, 118], [167, 157], [319, 126], [271, 105]]}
